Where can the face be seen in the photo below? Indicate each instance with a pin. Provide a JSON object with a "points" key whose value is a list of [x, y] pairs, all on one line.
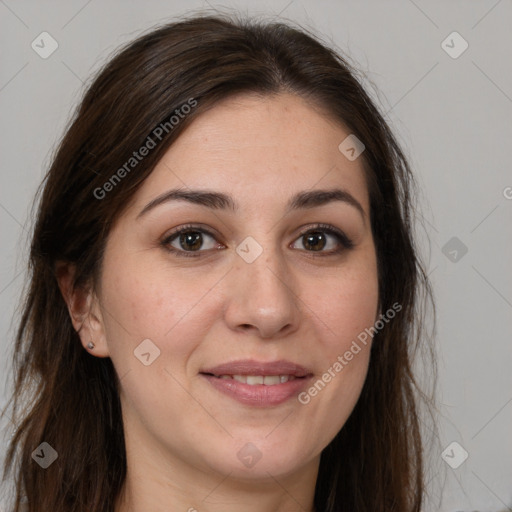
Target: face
{"points": [[270, 277]]}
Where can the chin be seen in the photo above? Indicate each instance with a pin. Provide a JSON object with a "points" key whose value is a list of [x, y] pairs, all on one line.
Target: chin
{"points": [[260, 459]]}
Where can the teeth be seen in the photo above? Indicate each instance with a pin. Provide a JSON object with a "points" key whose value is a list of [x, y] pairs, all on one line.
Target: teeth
{"points": [[267, 380], [255, 379]]}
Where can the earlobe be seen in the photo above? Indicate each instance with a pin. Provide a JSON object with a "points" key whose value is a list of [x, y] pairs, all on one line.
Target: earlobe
{"points": [[92, 332], [84, 311]]}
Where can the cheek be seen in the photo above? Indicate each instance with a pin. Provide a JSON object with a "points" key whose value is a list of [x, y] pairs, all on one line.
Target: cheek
{"points": [[351, 309], [346, 346], [140, 304], [348, 304], [144, 301]]}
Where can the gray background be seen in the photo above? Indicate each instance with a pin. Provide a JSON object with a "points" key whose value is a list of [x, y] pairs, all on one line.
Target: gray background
{"points": [[452, 115]]}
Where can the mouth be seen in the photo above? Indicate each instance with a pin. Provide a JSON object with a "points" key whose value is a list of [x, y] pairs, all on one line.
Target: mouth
{"points": [[254, 380], [254, 368], [258, 383]]}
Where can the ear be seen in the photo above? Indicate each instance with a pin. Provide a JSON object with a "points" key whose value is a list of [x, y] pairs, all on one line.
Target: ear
{"points": [[84, 310]]}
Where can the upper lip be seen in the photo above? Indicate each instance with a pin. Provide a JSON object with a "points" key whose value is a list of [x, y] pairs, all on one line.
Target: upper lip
{"points": [[253, 367]]}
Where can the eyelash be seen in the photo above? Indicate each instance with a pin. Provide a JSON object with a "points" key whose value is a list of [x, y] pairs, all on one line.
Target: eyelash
{"points": [[343, 240]]}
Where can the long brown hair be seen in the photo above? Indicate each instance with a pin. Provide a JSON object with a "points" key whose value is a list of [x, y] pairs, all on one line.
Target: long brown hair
{"points": [[67, 398]]}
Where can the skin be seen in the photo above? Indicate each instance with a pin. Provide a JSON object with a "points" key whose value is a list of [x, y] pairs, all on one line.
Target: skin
{"points": [[182, 435]]}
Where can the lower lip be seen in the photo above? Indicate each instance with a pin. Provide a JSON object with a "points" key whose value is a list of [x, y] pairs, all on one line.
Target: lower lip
{"points": [[258, 394]]}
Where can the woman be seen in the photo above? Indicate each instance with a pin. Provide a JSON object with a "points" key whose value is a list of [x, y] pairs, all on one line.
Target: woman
{"points": [[223, 299]]}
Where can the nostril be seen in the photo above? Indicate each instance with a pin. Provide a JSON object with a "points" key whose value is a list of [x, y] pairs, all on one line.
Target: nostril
{"points": [[245, 327]]}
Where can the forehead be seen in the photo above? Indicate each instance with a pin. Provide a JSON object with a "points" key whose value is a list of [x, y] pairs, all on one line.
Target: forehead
{"points": [[259, 149]]}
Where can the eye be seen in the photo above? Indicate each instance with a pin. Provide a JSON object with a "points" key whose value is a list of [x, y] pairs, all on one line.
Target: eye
{"points": [[190, 239], [324, 239]]}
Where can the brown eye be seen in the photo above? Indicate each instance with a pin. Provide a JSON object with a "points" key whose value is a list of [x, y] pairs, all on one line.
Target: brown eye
{"points": [[191, 241], [314, 241], [188, 240], [323, 239]]}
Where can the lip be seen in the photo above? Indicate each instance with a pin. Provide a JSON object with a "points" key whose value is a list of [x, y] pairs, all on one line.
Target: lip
{"points": [[253, 367], [258, 395]]}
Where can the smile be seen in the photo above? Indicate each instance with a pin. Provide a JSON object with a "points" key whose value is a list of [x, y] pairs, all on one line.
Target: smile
{"points": [[252, 380]]}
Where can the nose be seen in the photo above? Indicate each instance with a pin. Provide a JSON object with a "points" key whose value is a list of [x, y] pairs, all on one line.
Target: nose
{"points": [[262, 298]]}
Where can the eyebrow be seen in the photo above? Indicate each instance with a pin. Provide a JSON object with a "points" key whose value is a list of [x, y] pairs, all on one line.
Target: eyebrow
{"points": [[220, 201]]}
